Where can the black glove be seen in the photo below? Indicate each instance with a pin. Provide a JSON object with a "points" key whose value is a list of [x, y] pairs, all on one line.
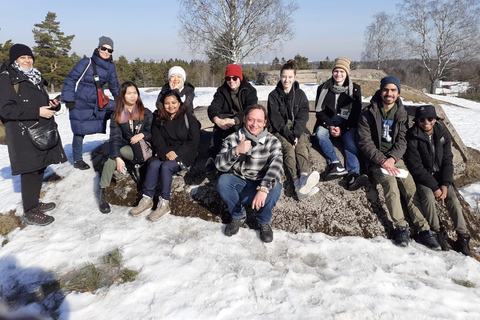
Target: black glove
{"points": [[291, 139], [70, 105]]}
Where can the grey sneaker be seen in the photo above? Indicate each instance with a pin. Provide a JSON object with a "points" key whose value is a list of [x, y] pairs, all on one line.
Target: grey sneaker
{"points": [[306, 182], [163, 208], [302, 196], [145, 203]]}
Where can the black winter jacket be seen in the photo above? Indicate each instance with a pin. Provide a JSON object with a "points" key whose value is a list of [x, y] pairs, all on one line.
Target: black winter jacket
{"points": [[369, 131], [187, 95], [173, 135], [222, 105], [120, 134], [324, 117], [281, 109], [24, 107], [428, 167]]}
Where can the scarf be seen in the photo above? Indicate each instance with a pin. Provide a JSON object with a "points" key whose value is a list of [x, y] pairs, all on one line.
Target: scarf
{"points": [[32, 74], [254, 139], [330, 85], [126, 115]]}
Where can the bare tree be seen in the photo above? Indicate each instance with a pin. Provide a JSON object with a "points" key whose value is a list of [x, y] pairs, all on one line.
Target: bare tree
{"points": [[442, 33], [235, 29], [380, 40]]}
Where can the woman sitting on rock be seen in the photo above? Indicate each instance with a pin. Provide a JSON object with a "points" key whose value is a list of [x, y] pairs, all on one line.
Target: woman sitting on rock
{"points": [[130, 123], [175, 138]]}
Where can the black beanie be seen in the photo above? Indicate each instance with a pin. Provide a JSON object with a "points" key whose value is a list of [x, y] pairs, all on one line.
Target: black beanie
{"points": [[18, 50], [390, 79]]}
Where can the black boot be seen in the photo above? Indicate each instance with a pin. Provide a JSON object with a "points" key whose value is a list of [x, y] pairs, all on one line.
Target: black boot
{"points": [[442, 238], [462, 244], [37, 217], [102, 201]]}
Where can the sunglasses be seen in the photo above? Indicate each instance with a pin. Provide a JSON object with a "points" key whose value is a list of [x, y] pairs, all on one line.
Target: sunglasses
{"points": [[234, 78], [106, 49], [430, 119]]}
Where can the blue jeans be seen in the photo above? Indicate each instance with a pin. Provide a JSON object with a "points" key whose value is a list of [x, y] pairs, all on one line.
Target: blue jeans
{"points": [[351, 150], [77, 147], [237, 192], [161, 172]]}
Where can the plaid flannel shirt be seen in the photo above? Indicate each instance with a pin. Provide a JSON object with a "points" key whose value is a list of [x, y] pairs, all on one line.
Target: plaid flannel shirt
{"points": [[265, 162]]}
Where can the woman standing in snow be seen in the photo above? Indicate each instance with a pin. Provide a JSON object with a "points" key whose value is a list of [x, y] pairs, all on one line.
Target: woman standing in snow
{"points": [[79, 93], [177, 81], [175, 138], [24, 103], [130, 123]]}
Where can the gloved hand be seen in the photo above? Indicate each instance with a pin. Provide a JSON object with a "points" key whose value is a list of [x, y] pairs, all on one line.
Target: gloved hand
{"points": [[70, 105], [291, 139]]}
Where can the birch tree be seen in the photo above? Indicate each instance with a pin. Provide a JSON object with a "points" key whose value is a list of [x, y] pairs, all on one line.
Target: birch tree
{"points": [[442, 33], [380, 40], [235, 29]]}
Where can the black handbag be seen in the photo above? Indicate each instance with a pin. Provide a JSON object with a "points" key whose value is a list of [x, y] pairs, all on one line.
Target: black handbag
{"points": [[44, 137]]}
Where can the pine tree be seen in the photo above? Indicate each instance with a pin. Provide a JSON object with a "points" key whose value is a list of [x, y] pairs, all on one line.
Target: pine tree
{"points": [[52, 50]]}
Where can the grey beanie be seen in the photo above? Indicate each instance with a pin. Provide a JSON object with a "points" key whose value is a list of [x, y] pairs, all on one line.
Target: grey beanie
{"points": [[105, 40]]}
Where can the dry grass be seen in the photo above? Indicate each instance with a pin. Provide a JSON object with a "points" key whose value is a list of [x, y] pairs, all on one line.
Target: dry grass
{"points": [[9, 222]]}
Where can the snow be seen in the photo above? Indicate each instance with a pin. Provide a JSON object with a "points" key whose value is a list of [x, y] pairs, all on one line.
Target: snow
{"points": [[190, 270]]}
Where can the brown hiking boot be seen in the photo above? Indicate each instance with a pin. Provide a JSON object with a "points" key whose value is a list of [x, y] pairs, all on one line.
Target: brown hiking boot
{"points": [[145, 203], [37, 217], [163, 208]]}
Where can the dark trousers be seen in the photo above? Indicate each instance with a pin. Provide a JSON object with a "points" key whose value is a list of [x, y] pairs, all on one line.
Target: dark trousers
{"points": [[31, 185], [160, 173], [217, 140]]}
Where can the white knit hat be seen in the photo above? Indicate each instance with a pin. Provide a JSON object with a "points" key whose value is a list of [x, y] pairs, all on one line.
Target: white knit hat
{"points": [[177, 70]]}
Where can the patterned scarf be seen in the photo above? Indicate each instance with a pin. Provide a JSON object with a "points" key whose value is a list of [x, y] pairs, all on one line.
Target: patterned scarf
{"points": [[33, 75], [330, 85], [126, 115]]}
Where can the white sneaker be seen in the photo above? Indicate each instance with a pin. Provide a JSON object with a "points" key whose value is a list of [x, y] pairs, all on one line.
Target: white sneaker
{"points": [[302, 196], [145, 203], [307, 182]]}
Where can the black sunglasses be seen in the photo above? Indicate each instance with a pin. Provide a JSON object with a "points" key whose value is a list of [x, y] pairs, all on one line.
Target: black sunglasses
{"points": [[430, 119], [234, 78], [106, 49]]}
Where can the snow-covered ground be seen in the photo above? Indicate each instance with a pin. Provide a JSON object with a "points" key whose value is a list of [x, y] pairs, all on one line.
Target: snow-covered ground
{"points": [[190, 270]]}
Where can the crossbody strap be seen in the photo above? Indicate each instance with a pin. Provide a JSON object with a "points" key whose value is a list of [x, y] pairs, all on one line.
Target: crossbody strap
{"points": [[84, 71], [95, 76]]}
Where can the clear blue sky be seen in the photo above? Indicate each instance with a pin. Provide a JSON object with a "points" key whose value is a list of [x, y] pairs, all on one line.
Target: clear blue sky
{"points": [[148, 29]]}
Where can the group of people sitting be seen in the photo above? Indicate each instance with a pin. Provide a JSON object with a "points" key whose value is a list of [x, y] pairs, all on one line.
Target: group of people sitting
{"points": [[250, 145]]}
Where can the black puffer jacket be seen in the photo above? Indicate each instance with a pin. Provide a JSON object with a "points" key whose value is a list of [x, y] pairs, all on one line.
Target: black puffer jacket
{"points": [[24, 107], [429, 166], [223, 107], [283, 107], [324, 117], [120, 134], [187, 94]]}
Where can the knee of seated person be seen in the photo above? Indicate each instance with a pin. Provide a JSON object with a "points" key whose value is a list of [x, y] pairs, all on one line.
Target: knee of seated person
{"points": [[322, 133]]}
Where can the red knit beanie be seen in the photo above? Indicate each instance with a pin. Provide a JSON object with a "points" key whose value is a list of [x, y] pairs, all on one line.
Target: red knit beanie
{"points": [[234, 70]]}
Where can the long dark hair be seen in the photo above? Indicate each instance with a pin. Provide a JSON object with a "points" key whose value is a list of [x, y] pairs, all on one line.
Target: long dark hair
{"points": [[120, 115], [162, 115]]}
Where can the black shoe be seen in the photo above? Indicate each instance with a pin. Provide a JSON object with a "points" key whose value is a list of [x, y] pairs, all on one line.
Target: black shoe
{"points": [[46, 206], [355, 181], [37, 217], [462, 244], [102, 201], [333, 171], [427, 239], [442, 238], [266, 233], [402, 235], [233, 227], [210, 165], [80, 164]]}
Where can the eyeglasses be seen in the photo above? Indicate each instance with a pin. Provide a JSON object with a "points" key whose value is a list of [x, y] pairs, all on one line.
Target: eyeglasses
{"points": [[106, 49], [232, 78], [430, 119]]}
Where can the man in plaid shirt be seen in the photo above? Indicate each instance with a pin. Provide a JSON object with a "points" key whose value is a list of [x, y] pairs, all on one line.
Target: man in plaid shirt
{"points": [[253, 162]]}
